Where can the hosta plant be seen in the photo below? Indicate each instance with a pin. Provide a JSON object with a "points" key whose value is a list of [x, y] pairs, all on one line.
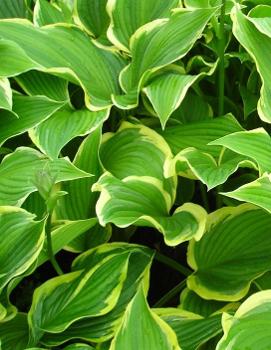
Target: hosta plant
{"points": [[135, 174]]}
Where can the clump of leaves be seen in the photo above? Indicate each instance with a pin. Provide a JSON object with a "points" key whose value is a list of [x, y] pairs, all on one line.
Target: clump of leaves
{"points": [[135, 175]]}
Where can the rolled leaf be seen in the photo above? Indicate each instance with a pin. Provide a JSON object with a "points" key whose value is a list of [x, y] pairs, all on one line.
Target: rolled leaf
{"points": [[141, 201]]}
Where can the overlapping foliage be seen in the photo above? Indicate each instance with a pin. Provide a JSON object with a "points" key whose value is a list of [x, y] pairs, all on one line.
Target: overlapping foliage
{"points": [[128, 118]]}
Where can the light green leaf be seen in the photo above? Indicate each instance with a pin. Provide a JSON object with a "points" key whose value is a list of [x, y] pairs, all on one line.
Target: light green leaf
{"points": [[96, 70], [167, 92], [141, 201], [5, 94], [54, 133], [143, 329], [161, 42], [255, 144], [10, 65], [235, 237], [39, 83], [20, 171], [192, 163], [136, 150], [101, 328], [93, 16], [256, 192], [14, 333], [30, 110], [199, 134], [83, 293], [192, 330], [249, 328], [46, 13], [21, 240], [128, 15], [252, 35]]}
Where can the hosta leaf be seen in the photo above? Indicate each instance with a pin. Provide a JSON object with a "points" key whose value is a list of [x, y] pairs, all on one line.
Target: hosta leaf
{"points": [[256, 44], [14, 333], [5, 94], [128, 16], [141, 201], [93, 16], [13, 9], [167, 92], [142, 328], [21, 170], [46, 13], [249, 328], [161, 42], [192, 163], [30, 110], [39, 83], [21, 240], [199, 134], [10, 65], [54, 133], [83, 293], [96, 71], [256, 192], [255, 144], [101, 328], [192, 330], [135, 150], [235, 237]]}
